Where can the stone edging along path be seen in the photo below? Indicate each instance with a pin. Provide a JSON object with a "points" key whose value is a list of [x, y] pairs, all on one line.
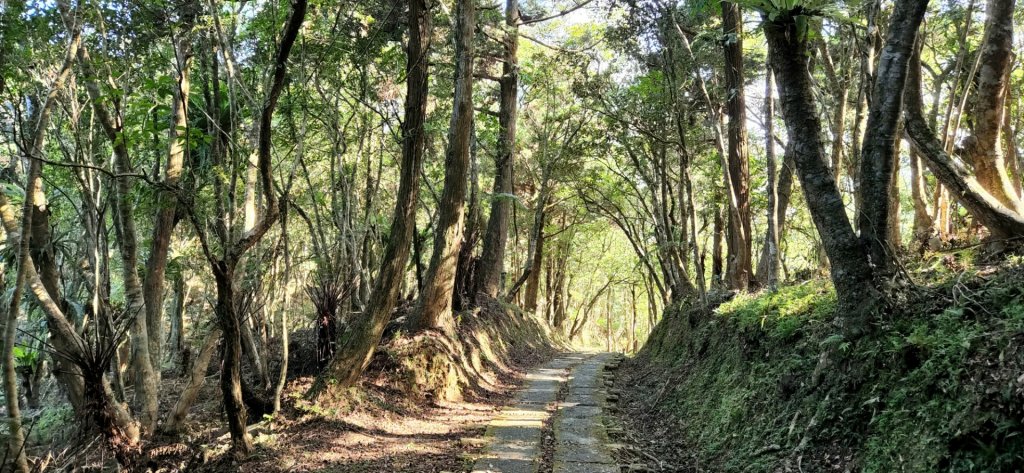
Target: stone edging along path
{"points": [[580, 438]]}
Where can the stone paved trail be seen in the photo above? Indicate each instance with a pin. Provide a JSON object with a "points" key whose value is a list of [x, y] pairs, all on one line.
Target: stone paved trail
{"points": [[580, 439]]}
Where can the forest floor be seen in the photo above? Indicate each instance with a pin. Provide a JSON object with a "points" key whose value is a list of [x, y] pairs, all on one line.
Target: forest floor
{"points": [[386, 432]]}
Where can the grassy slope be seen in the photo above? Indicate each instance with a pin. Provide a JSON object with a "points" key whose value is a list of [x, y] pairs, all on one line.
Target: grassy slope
{"points": [[764, 383]]}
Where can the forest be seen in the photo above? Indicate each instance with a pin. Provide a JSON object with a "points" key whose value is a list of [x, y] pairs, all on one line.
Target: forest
{"points": [[512, 236]]}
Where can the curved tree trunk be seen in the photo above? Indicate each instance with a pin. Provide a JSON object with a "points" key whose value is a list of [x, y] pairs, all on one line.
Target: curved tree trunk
{"points": [[984, 147], [167, 202], [851, 273], [1001, 221], [357, 346], [197, 377]]}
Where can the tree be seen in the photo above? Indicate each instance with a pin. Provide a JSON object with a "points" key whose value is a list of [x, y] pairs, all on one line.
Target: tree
{"points": [[788, 53], [739, 273], [878, 158], [434, 307], [358, 345], [491, 267], [984, 148]]}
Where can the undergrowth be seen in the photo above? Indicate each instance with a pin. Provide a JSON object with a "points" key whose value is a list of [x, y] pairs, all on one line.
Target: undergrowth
{"points": [[765, 382]]}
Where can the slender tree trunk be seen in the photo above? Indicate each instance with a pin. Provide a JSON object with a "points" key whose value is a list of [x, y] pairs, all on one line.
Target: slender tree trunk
{"points": [[879, 158], [533, 278], [356, 349], [783, 193], [717, 235], [167, 202], [230, 375], [492, 257], [922, 219], [770, 275], [197, 377], [434, 308], [176, 341]]}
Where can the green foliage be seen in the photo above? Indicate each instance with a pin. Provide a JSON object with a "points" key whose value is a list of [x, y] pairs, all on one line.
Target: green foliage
{"points": [[782, 313], [25, 356], [769, 383]]}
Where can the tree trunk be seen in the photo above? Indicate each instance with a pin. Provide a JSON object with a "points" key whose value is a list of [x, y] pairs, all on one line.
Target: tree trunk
{"points": [[879, 158], [145, 373], [492, 257], [176, 341], [197, 377], [533, 279], [231, 369], [983, 147], [464, 278], [739, 271], [717, 234], [851, 273], [167, 201], [358, 345], [434, 308], [783, 193], [769, 274], [918, 190], [1001, 221]]}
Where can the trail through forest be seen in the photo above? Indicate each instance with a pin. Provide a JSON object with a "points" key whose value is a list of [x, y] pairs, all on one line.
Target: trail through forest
{"points": [[555, 423], [420, 236]]}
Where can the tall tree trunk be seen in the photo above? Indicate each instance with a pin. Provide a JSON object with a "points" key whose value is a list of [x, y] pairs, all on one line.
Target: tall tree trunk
{"points": [[224, 267], [739, 272], [167, 202], [492, 257], [357, 346], [464, 279], [879, 158], [783, 193], [434, 308], [983, 147], [769, 275], [851, 273], [231, 368]]}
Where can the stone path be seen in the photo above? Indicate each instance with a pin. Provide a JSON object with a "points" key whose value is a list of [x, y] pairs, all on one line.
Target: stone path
{"points": [[579, 434]]}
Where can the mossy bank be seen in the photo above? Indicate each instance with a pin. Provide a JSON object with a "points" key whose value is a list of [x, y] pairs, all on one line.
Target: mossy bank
{"points": [[764, 382]]}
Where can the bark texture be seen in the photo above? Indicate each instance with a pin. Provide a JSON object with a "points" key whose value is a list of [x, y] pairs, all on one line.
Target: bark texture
{"points": [[851, 273], [357, 346], [879, 158], [983, 147], [434, 307], [492, 257], [739, 270]]}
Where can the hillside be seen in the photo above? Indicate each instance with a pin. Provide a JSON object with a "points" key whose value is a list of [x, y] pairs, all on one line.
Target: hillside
{"points": [[763, 382]]}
